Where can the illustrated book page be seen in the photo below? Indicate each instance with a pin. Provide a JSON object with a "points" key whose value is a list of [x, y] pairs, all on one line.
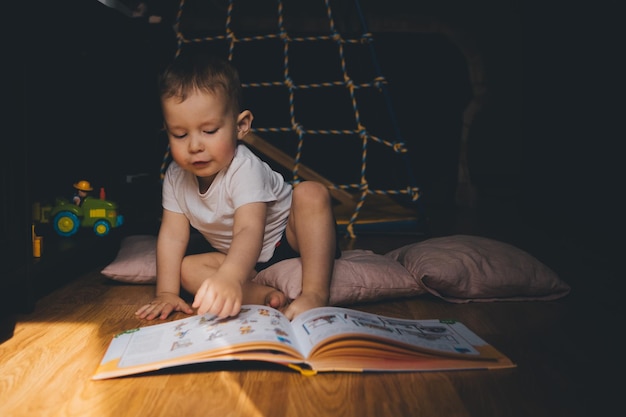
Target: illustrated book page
{"points": [[341, 339], [320, 340]]}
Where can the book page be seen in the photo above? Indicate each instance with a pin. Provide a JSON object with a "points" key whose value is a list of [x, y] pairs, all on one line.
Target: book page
{"points": [[196, 334], [314, 327]]}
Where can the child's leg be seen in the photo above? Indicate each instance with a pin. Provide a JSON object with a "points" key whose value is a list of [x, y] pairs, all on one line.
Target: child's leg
{"points": [[311, 231], [196, 268]]}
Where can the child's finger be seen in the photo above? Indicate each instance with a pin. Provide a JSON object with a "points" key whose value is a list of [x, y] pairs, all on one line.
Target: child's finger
{"points": [[229, 308], [165, 311], [184, 307], [199, 297]]}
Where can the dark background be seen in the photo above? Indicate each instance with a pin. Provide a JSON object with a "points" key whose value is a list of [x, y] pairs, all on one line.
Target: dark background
{"points": [[545, 143], [92, 113]]}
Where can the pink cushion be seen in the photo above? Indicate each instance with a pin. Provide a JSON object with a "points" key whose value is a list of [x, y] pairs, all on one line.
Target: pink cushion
{"points": [[135, 262], [458, 269], [464, 268], [358, 276]]}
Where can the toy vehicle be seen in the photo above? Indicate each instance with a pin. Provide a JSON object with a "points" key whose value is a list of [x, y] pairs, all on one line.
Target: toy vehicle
{"points": [[66, 217]]}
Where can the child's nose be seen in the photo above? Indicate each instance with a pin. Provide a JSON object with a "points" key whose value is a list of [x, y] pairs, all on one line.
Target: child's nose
{"points": [[195, 143]]}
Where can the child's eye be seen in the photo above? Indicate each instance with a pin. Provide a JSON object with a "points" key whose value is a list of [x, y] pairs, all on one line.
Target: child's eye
{"points": [[210, 132], [178, 136]]}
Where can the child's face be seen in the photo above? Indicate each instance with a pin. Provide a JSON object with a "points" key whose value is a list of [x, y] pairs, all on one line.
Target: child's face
{"points": [[202, 133]]}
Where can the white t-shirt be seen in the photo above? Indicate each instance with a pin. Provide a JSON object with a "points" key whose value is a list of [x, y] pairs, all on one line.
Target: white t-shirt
{"points": [[246, 180]]}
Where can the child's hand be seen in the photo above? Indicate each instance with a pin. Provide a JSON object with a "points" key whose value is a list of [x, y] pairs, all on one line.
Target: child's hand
{"points": [[162, 306], [304, 302], [220, 296]]}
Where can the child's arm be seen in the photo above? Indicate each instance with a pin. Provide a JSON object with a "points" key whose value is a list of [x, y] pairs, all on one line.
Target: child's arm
{"points": [[171, 246], [221, 294]]}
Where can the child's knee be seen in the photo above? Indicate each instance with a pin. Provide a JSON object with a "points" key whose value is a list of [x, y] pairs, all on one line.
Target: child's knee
{"points": [[311, 191]]}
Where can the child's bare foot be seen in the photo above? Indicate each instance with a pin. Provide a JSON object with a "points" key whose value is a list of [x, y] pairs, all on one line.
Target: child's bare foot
{"points": [[303, 303], [276, 299], [254, 293]]}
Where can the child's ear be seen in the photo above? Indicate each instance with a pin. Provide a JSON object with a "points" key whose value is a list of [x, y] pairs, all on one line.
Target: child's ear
{"points": [[244, 123]]}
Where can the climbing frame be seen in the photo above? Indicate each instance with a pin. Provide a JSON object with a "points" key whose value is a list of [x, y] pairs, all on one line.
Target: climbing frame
{"points": [[364, 201]]}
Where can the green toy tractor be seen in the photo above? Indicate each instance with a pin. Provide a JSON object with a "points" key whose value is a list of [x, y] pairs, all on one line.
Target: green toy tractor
{"points": [[66, 217]]}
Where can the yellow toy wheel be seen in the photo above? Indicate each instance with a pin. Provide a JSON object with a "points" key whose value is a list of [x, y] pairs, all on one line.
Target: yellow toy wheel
{"points": [[66, 223], [101, 228]]}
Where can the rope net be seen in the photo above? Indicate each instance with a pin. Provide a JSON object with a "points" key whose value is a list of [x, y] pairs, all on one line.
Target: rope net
{"points": [[306, 94]]}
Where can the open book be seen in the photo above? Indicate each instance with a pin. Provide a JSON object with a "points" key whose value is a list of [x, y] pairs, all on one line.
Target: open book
{"points": [[323, 339]]}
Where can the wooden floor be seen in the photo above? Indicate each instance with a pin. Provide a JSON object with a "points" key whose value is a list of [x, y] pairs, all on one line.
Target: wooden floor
{"points": [[566, 351]]}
